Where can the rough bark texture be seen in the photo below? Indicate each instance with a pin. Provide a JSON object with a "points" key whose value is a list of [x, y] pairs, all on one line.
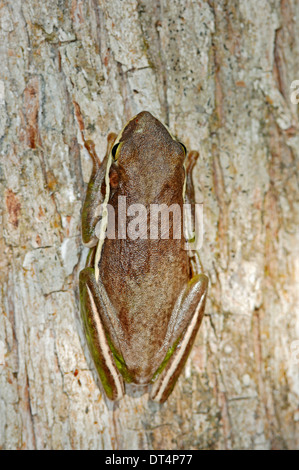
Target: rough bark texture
{"points": [[219, 74]]}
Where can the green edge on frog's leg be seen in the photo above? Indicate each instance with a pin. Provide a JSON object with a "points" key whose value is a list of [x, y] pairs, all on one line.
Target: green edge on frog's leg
{"points": [[193, 304], [103, 357]]}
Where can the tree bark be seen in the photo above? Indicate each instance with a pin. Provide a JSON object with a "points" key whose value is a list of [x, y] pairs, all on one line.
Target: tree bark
{"points": [[219, 74]]}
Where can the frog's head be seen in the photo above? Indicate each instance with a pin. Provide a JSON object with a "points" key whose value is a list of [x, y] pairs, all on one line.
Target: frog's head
{"points": [[147, 154]]}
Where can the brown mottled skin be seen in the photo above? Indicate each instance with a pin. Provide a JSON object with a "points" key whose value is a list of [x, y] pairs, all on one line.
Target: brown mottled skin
{"points": [[144, 278], [143, 282]]}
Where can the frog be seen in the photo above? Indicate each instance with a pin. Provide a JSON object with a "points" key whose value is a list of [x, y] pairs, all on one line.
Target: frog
{"points": [[142, 299]]}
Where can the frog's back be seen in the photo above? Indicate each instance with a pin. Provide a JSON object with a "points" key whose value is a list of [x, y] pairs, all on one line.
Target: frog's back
{"points": [[144, 277], [148, 278]]}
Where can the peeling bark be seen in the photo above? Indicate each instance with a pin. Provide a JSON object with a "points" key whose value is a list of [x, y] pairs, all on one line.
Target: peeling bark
{"points": [[219, 74]]}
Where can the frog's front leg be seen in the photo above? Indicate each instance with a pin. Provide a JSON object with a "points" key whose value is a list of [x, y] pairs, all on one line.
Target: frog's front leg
{"points": [[96, 188], [95, 193], [186, 319], [100, 333]]}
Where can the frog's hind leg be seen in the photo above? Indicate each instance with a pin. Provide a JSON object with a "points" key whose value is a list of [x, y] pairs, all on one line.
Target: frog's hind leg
{"points": [[189, 310], [189, 315], [94, 313]]}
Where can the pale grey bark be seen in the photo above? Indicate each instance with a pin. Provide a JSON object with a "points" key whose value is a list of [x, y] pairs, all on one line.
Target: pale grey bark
{"points": [[219, 74]]}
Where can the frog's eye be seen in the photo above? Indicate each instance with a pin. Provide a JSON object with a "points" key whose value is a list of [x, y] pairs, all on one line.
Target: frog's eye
{"points": [[114, 151], [185, 150]]}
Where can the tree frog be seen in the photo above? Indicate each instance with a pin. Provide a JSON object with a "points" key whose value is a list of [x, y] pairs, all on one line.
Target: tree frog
{"points": [[142, 298]]}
